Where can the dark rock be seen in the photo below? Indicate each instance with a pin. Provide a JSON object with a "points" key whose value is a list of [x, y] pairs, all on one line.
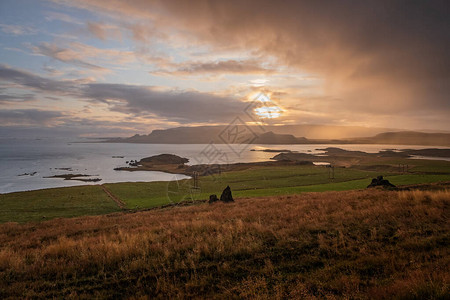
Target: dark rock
{"points": [[28, 174], [379, 181], [226, 195], [76, 177], [213, 198], [133, 163]]}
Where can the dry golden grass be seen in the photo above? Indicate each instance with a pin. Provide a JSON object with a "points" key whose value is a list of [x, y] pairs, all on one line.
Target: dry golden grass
{"points": [[334, 245]]}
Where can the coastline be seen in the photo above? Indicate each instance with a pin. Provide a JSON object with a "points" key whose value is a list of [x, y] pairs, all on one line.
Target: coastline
{"points": [[207, 169], [47, 158], [332, 157]]}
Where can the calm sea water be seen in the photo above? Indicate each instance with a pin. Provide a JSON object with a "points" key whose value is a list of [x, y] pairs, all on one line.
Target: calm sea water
{"points": [[24, 163]]}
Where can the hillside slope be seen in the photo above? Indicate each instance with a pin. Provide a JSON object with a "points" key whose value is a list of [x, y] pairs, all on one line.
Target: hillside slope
{"points": [[360, 244]]}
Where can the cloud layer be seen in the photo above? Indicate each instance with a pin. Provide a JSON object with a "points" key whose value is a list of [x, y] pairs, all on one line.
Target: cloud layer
{"points": [[183, 107], [178, 106], [146, 63], [383, 53]]}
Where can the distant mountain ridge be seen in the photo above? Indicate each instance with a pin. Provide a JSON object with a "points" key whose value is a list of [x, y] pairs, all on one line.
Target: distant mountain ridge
{"points": [[409, 138], [278, 135], [274, 138]]}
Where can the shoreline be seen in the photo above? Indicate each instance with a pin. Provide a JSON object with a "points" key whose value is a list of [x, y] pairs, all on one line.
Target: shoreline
{"points": [[335, 157], [380, 162], [207, 169]]}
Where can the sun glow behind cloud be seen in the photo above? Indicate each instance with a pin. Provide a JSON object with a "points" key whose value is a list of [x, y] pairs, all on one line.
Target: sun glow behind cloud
{"points": [[271, 112], [265, 108]]}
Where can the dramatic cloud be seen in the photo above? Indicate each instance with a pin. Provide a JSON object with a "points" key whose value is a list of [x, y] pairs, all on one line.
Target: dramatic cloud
{"points": [[219, 67], [86, 56], [140, 62], [385, 55], [30, 80], [36, 117], [179, 106], [8, 98], [174, 106], [66, 55]]}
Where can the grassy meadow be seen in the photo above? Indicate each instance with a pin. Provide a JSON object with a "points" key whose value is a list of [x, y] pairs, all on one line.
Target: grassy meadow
{"points": [[334, 245], [256, 181], [293, 232], [47, 204]]}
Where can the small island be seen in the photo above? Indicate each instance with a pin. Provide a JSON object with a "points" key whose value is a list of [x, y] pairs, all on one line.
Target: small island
{"points": [[76, 177]]}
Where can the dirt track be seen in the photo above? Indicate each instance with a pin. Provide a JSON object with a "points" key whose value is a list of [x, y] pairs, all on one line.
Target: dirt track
{"points": [[114, 198]]}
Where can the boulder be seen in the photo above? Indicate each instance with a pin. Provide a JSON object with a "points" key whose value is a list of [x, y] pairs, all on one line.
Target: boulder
{"points": [[213, 198], [379, 181], [226, 195]]}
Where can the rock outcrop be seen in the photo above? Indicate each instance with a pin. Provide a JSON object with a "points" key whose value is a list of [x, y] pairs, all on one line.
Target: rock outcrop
{"points": [[379, 181], [226, 195], [213, 198]]}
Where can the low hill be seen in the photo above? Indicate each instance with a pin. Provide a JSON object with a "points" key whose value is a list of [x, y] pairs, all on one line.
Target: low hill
{"points": [[274, 138], [163, 159], [409, 138], [354, 245], [207, 134], [280, 135], [215, 134], [178, 135]]}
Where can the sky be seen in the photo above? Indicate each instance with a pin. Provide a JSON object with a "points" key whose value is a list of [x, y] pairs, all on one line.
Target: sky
{"points": [[117, 68]]}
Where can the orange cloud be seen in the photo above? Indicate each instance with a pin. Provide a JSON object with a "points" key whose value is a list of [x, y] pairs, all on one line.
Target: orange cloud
{"points": [[376, 59], [242, 67]]}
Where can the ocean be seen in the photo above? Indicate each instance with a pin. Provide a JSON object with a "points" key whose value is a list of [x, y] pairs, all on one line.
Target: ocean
{"points": [[25, 163]]}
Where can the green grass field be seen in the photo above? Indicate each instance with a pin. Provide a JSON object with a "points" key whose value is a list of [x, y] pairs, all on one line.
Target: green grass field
{"points": [[254, 182], [55, 203], [264, 181]]}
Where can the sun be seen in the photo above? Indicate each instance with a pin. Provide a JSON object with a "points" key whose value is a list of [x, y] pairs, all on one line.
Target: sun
{"points": [[266, 108], [268, 112]]}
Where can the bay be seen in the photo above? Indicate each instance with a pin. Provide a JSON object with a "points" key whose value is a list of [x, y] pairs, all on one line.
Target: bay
{"points": [[24, 163]]}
